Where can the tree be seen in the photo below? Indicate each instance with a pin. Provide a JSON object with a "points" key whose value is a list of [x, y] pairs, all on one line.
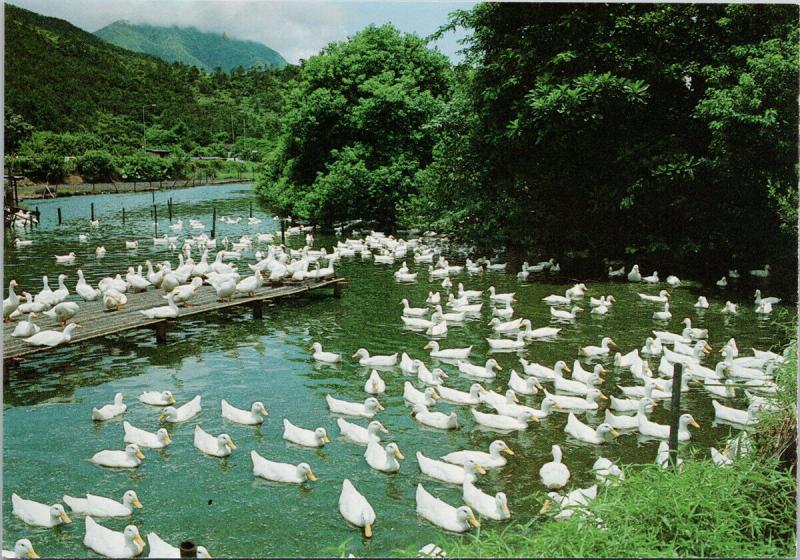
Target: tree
{"points": [[356, 129], [96, 166]]}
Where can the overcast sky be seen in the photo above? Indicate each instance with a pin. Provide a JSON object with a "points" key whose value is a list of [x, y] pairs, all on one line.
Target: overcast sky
{"points": [[295, 29]]}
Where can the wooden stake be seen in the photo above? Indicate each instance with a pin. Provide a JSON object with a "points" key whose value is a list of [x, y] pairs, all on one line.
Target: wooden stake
{"points": [[675, 407]]}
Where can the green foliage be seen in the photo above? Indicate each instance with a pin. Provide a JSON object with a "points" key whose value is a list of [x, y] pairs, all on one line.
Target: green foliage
{"points": [[746, 510], [96, 166], [678, 121], [17, 130], [188, 45], [115, 94], [47, 167], [357, 128]]}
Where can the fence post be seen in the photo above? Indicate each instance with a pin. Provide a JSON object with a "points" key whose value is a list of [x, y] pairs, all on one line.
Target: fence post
{"points": [[214, 223], [59, 216], [251, 208], [92, 211], [188, 550], [155, 220], [169, 208], [283, 231], [123, 215], [675, 407]]}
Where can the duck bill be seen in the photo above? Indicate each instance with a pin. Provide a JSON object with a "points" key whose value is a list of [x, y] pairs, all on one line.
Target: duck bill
{"points": [[474, 522], [399, 455], [354, 356], [428, 346], [380, 406], [614, 432], [264, 412], [505, 510], [139, 454], [326, 439], [311, 476], [566, 368], [64, 517], [602, 396], [167, 439], [436, 395], [545, 507], [368, 530], [508, 451], [162, 417], [231, 445], [694, 423], [479, 469], [534, 419], [171, 400], [32, 553], [498, 367], [383, 429], [137, 504], [138, 540]]}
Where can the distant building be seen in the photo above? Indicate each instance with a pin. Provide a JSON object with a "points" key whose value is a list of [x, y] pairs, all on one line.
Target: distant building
{"points": [[157, 152]]}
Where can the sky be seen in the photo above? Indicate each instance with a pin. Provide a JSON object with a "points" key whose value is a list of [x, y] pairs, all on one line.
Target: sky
{"points": [[296, 29]]}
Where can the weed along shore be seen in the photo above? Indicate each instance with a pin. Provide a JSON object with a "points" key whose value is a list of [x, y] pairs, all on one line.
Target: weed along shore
{"points": [[35, 191]]}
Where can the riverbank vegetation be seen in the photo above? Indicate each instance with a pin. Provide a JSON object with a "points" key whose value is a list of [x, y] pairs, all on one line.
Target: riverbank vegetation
{"points": [[663, 133]]}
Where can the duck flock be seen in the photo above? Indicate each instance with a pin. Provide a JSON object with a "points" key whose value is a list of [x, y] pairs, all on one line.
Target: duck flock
{"points": [[563, 389]]}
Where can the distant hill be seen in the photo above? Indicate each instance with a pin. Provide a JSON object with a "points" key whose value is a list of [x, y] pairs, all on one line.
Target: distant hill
{"points": [[190, 46]]}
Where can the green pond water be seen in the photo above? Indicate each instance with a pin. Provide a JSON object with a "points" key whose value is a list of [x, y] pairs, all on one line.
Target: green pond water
{"points": [[49, 435]]}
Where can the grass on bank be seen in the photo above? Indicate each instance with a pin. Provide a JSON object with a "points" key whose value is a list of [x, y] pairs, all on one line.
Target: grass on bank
{"points": [[746, 510]]}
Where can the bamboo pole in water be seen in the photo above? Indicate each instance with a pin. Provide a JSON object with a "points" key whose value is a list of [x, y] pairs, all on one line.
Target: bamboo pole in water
{"points": [[677, 378]]}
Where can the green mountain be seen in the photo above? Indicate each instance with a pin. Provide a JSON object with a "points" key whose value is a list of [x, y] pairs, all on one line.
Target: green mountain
{"points": [[63, 79], [190, 46]]}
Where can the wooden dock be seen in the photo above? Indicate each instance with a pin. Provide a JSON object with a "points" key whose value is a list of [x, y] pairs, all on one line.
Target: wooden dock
{"points": [[98, 322]]}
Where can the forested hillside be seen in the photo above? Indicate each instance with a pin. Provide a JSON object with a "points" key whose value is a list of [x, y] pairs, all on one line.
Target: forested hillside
{"points": [[62, 79], [191, 46], [663, 133]]}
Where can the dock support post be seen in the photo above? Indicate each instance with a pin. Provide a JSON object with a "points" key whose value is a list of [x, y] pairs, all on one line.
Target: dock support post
{"points": [[214, 223], [123, 216], [251, 208], [169, 208], [59, 216], [338, 288], [161, 332], [283, 231], [188, 549], [675, 407], [155, 220], [92, 205], [258, 309]]}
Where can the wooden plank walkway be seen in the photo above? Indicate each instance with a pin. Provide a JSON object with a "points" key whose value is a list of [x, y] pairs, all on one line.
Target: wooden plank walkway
{"points": [[97, 322]]}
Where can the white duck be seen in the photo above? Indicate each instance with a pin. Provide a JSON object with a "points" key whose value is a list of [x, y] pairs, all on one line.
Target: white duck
{"points": [[447, 353], [580, 374], [664, 315], [491, 460], [26, 329], [502, 298], [112, 544], [169, 311], [747, 417], [11, 303], [447, 472], [157, 398], [250, 284], [409, 311], [384, 459], [381, 361], [661, 431], [576, 403], [130, 457], [652, 346], [429, 377], [662, 297], [415, 396], [494, 507], [304, 437], [485, 372], [375, 385], [554, 474], [607, 473], [437, 329], [250, 417], [357, 434], [355, 508], [573, 385], [634, 275], [38, 514], [407, 365], [565, 315], [185, 292], [161, 549], [605, 347], [52, 338], [367, 409], [100, 506], [652, 279], [702, 303], [507, 343], [543, 372], [281, 472], [541, 332], [218, 446], [460, 397], [770, 300], [65, 259], [183, 413], [502, 422], [63, 312], [444, 515], [114, 299], [22, 549], [581, 431], [434, 419], [555, 299], [523, 386], [624, 422], [327, 357], [106, 412], [142, 438]]}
